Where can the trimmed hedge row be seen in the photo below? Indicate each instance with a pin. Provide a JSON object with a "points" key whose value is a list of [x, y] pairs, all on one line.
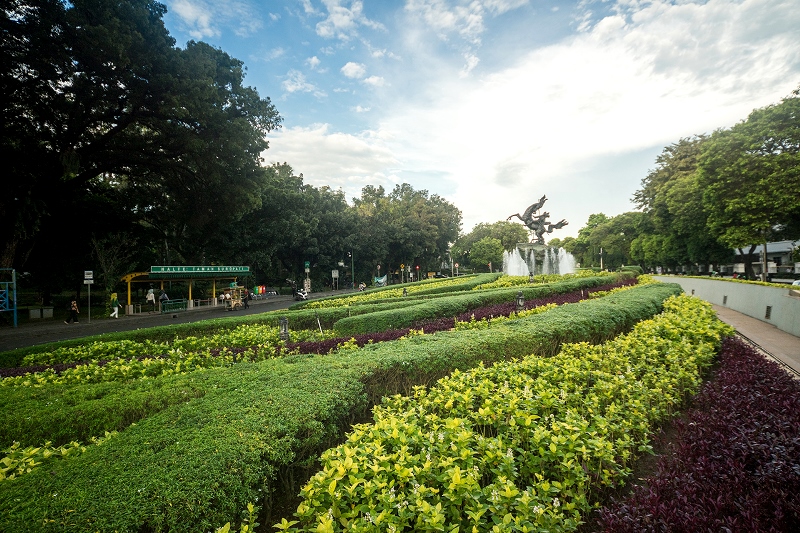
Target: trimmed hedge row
{"points": [[516, 446], [425, 288], [298, 319], [254, 431], [456, 304]]}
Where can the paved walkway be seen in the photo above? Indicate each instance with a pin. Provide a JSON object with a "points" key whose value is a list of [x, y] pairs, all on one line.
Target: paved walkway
{"points": [[42, 331], [781, 345]]}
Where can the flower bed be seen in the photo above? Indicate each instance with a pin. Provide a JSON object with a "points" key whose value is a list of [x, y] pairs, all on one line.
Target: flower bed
{"points": [[734, 461]]}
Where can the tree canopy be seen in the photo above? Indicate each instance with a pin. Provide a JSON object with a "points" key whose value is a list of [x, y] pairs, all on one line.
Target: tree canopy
{"points": [[104, 116]]}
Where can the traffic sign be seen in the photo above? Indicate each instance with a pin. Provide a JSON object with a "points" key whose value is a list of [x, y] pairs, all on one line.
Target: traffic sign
{"points": [[88, 274], [402, 266]]}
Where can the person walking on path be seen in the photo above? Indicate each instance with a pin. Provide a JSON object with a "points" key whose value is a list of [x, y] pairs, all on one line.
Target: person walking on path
{"points": [[114, 306], [73, 312], [246, 299], [161, 299]]}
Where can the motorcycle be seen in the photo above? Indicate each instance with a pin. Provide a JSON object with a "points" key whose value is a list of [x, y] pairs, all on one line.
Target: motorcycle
{"points": [[300, 295]]}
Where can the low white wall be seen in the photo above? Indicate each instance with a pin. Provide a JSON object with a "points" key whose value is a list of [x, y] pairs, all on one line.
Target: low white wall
{"points": [[750, 300]]}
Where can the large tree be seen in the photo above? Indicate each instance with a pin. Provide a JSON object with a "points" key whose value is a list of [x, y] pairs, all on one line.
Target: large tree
{"points": [[674, 230], [406, 226], [750, 175], [102, 111]]}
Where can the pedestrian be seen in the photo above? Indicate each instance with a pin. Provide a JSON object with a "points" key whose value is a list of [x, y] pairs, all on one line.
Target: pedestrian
{"points": [[73, 312], [246, 299], [151, 299], [162, 298], [114, 306]]}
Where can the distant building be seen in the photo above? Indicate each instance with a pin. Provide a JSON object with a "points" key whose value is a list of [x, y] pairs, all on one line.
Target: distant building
{"points": [[779, 258]]}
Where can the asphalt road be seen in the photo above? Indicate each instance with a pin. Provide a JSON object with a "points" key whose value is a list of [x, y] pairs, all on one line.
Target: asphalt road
{"points": [[42, 331]]}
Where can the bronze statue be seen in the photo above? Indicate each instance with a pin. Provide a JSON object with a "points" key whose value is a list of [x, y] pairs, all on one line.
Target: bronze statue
{"points": [[538, 224]]}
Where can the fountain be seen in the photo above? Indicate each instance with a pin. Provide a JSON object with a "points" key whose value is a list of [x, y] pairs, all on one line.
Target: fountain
{"points": [[534, 258], [530, 258]]}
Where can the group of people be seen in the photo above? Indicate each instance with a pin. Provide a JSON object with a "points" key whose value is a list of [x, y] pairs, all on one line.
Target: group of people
{"points": [[227, 297], [72, 307], [151, 299]]}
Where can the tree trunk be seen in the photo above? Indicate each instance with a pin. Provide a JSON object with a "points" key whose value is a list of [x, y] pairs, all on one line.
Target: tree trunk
{"points": [[748, 261]]}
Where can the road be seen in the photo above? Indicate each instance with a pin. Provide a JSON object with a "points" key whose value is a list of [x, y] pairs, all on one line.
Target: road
{"points": [[42, 331]]}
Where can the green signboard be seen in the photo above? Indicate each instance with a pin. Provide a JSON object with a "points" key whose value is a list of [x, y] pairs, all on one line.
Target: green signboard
{"points": [[215, 269]]}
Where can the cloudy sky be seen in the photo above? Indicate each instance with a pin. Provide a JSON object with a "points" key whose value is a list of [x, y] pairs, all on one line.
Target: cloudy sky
{"points": [[493, 103]]}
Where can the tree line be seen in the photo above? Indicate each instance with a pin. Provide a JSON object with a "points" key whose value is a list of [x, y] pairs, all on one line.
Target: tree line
{"points": [[123, 150]]}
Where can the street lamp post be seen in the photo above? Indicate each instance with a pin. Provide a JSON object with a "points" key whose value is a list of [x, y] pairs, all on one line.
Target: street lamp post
{"points": [[352, 269]]}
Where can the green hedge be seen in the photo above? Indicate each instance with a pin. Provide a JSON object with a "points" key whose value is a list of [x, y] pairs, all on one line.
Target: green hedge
{"points": [[633, 268], [451, 306], [298, 319], [420, 289], [253, 432]]}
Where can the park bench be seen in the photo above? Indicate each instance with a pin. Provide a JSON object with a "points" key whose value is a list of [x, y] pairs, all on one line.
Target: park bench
{"points": [[173, 306]]}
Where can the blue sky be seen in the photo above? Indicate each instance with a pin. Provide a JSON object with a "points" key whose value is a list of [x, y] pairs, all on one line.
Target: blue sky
{"points": [[493, 103]]}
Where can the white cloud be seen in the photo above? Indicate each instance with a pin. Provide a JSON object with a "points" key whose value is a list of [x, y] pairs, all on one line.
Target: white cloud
{"points": [[197, 17], [204, 19], [275, 53], [354, 70], [629, 85], [313, 62], [465, 18], [335, 159], [296, 82], [471, 61], [343, 22], [360, 109], [375, 81]]}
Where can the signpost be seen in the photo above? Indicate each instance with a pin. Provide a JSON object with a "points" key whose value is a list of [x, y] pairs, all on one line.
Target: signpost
{"points": [[335, 276], [88, 280]]}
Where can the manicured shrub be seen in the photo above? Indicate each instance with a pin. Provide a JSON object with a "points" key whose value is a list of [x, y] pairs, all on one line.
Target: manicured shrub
{"points": [[456, 305], [518, 446], [406, 290], [253, 432]]}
